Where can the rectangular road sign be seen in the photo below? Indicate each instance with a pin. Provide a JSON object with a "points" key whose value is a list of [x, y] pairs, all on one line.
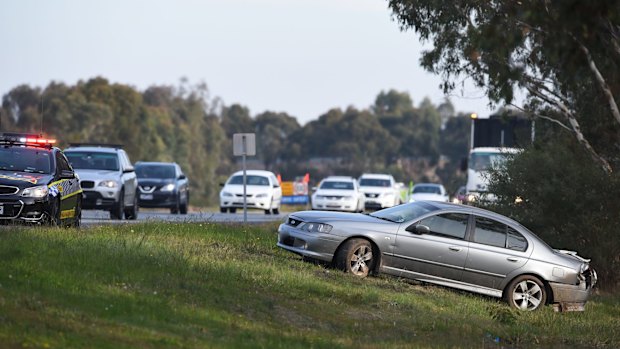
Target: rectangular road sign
{"points": [[244, 144]]}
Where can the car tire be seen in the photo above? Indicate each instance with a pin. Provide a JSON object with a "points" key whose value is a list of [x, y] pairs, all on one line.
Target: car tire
{"points": [[77, 219], [223, 209], [357, 257], [232, 210], [118, 209], [526, 292], [132, 212], [268, 211], [54, 215], [275, 210], [184, 207]]}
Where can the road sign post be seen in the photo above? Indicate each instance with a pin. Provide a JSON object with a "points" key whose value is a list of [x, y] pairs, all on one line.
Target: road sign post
{"points": [[244, 144]]}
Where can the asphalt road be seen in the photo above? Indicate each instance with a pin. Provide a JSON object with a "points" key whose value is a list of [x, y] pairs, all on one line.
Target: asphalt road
{"points": [[90, 217]]}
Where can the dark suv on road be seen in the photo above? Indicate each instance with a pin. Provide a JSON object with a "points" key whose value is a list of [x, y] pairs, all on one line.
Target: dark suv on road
{"points": [[162, 184], [37, 184]]}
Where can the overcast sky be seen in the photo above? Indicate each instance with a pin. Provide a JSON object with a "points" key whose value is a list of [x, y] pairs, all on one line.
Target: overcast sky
{"points": [[302, 57]]}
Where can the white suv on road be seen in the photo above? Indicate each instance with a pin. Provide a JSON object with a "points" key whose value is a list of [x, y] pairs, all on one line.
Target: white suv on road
{"points": [[380, 191], [263, 192]]}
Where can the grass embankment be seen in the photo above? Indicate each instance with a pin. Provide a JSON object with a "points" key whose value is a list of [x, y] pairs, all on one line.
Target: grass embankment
{"points": [[161, 285]]}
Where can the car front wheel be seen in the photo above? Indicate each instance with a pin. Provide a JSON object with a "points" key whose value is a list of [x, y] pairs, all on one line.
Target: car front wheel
{"points": [[356, 257], [527, 292]]}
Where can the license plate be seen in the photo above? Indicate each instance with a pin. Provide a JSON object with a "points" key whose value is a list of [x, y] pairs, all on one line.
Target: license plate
{"points": [[146, 196], [1, 209]]}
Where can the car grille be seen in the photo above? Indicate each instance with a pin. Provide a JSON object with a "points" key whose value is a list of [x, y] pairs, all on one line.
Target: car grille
{"points": [[12, 209], [293, 221], [87, 184], [8, 190], [334, 197], [147, 188], [369, 195], [241, 195]]}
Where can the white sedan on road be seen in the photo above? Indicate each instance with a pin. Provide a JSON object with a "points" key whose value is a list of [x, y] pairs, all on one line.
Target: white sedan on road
{"points": [[428, 191], [263, 192], [337, 193], [380, 191]]}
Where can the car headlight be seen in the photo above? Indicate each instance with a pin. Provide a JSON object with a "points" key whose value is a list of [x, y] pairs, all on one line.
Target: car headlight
{"points": [[262, 196], [168, 187], [316, 227], [225, 193], [108, 184], [36, 192]]}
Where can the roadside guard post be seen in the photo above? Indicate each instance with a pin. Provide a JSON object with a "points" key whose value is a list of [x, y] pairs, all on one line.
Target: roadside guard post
{"points": [[244, 144]]}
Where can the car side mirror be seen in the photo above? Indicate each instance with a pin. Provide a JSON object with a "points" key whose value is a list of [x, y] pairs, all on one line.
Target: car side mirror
{"points": [[419, 229], [128, 169], [66, 174], [276, 185], [182, 176]]}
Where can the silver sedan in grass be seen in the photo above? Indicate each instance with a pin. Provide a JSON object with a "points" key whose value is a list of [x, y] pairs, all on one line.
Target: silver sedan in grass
{"points": [[447, 244]]}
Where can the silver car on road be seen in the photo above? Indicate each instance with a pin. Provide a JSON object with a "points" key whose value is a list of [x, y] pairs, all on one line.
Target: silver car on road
{"points": [[447, 244]]}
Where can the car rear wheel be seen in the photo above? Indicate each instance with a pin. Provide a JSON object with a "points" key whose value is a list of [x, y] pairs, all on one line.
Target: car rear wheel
{"points": [[527, 292], [356, 257]]}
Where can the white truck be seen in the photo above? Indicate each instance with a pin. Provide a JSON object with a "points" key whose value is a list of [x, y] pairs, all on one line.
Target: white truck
{"points": [[492, 141]]}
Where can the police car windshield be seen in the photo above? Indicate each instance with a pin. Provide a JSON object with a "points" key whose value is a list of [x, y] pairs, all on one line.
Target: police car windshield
{"points": [[93, 160], [155, 171], [20, 159]]}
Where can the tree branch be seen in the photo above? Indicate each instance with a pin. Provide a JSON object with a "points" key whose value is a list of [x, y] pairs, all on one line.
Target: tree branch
{"points": [[576, 128], [558, 122], [613, 106]]}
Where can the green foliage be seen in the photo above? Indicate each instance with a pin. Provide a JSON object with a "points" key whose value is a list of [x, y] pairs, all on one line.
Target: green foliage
{"points": [[567, 201], [162, 285]]}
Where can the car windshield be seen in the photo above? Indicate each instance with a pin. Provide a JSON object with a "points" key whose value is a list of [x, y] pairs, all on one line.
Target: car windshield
{"points": [[484, 161], [374, 182], [426, 189], [155, 171], [25, 160], [404, 213], [93, 160], [337, 185], [250, 180]]}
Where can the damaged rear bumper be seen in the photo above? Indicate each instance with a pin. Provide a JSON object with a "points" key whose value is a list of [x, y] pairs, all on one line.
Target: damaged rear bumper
{"points": [[573, 297]]}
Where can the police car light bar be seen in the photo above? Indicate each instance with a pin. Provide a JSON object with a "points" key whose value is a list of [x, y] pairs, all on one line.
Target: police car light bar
{"points": [[26, 139]]}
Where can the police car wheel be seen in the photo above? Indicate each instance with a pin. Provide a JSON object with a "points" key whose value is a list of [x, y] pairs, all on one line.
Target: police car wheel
{"points": [[54, 215]]}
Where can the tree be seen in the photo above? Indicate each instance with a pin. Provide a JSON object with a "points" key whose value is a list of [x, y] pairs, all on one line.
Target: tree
{"points": [[562, 54], [273, 130]]}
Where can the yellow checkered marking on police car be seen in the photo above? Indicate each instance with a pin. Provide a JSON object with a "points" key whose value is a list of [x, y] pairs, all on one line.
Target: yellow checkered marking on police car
{"points": [[67, 188]]}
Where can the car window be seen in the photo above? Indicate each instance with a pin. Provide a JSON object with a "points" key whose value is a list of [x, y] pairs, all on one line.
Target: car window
{"points": [[250, 180], [374, 182], [451, 225], [515, 241], [426, 189], [93, 160], [155, 171], [337, 185], [25, 160], [61, 163], [404, 213], [490, 232]]}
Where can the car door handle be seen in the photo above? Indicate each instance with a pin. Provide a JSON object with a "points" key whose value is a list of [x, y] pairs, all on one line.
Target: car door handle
{"points": [[512, 259], [452, 248]]}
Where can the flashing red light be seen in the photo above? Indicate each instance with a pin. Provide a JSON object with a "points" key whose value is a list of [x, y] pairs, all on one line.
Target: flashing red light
{"points": [[39, 141]]}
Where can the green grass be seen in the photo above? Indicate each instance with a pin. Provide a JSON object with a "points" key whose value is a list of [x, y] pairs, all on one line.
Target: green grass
{"points": [[161, 285]]}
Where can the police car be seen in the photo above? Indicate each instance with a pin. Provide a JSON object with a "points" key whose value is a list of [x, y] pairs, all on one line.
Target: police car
{"points": [[37, 184]]}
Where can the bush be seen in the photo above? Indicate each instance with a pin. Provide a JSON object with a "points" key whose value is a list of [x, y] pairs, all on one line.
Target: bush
{"points": [[567, 200]]}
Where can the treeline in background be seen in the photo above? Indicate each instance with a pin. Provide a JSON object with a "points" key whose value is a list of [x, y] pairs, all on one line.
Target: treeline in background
{"points": [[567, 198], [185, 124]]}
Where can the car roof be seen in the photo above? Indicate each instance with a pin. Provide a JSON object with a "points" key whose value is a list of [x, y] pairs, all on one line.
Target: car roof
{"points": [[93, 149], [339, 178], [428, 185], [376, 175], [155, 163], [495, 150], [254, 173]]}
